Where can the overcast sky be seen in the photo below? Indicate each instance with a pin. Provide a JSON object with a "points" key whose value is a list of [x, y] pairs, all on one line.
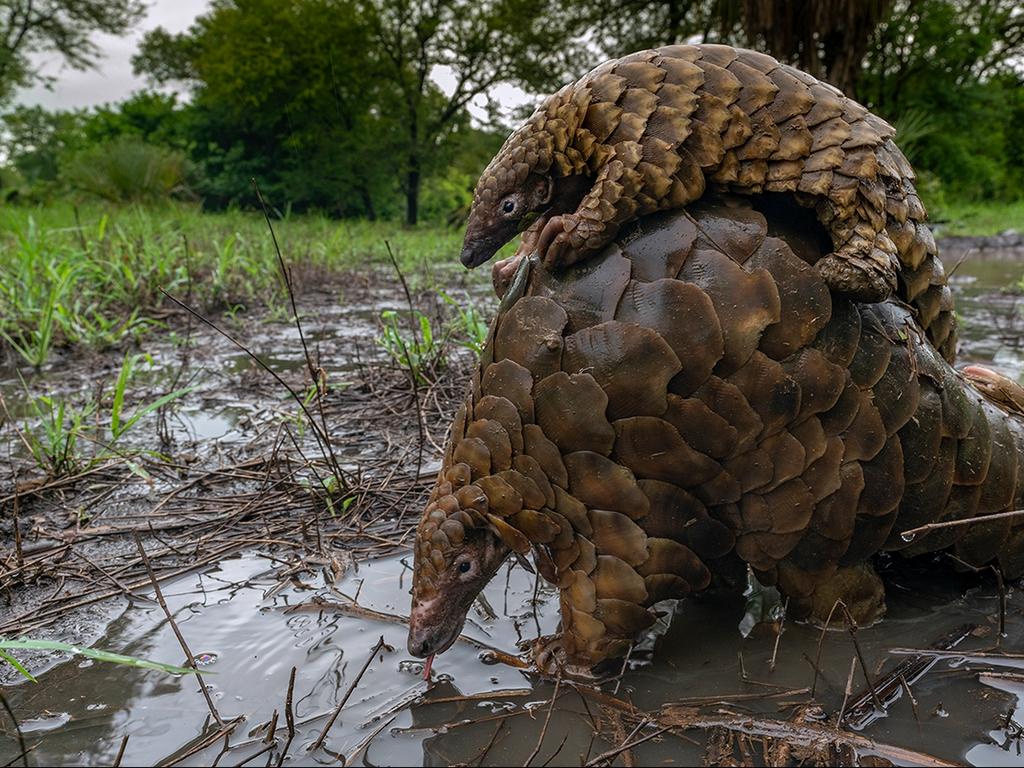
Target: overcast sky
{"points": [[112, 80]]}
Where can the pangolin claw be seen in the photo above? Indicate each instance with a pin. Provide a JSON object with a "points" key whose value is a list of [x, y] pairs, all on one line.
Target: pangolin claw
{"points": [[551, 658]]}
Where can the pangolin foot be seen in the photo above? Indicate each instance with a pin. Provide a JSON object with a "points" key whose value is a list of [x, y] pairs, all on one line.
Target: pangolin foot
{"points": [[857, 587], [856, 279], [553, 244], [552, 658]]}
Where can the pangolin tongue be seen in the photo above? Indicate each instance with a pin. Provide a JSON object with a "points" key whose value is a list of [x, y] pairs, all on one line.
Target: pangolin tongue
{"points": [[427, 666]]}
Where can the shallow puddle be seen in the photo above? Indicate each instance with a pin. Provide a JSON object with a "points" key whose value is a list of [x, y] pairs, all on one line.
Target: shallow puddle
{"points": [[249, 635]]}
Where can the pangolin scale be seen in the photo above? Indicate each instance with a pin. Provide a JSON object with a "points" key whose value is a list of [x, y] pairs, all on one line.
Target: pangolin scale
{"points": [[656, 129], [693, 397]]}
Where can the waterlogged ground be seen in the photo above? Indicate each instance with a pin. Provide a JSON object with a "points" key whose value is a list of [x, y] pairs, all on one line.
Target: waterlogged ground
{"points": [[252, 617]]}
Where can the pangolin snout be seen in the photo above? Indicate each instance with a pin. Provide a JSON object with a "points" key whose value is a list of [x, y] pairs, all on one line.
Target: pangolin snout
{"points": [[430, 634], [473, 256]]}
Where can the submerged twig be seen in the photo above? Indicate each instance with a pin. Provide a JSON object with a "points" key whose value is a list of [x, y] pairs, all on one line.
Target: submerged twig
{"points": [[344, 700]]}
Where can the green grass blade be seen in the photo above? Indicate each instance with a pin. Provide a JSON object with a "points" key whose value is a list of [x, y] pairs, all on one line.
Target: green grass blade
{"points": [[18, 666], [93, 653]]}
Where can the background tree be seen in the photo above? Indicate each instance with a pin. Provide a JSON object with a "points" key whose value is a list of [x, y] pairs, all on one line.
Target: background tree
{"points": [[482, 43], [64, 26], [827, 38]]}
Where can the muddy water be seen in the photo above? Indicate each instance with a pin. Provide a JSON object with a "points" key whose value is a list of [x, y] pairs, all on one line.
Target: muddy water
{"points": [[250, 633]]}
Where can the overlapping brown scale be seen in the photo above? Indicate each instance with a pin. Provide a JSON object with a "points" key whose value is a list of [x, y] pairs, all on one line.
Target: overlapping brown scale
{"points": [[592, 294], [975, 450], [873, 353], [676, 514], [616, 534], [670, 557], [633, 366], [538, 527], [897, 393], [731, 226], [921, 434], [502, 499], [497, 441], [455, 433], [922, 501], [883, 481], [504, 412], [530, 334], [570, 411], [538, 446], [805, 303], [474, 453], [658, 245], [962, 504], [840, 337], [823, 475], [528, 466], [787, 458], [622, 618], [530, 493], [597, 481], [865, 436], [725, 399], [614, 579], [745, 302], [684, 317], [812, 437], [981, 542], [702, 429], [771, 393], [652, 448], [821, 382], [510, 380], [1000, 482]]}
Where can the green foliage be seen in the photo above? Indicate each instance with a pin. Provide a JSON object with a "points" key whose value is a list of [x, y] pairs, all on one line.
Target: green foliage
{"points": [[91, 276], [945, 69], [6, 646], [128, 170], [420, 353], [64, 440]]}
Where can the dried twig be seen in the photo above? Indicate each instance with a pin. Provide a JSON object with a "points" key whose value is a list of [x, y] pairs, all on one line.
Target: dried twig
{"points": [[190, 661], [547, 719]]}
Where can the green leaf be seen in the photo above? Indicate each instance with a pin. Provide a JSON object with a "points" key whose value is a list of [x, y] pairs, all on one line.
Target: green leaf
{"points": [[17, 665], [93, 653]]}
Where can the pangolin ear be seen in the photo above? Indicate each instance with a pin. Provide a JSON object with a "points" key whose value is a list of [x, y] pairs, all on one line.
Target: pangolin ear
{"points": [[544, 190]]}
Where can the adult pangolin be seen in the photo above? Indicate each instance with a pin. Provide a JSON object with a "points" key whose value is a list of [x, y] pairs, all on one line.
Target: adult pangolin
{"points": [[654, 130], [693, 398]]}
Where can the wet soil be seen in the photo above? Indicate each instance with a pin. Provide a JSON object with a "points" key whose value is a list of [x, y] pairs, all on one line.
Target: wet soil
{"points": [[262, 580]]}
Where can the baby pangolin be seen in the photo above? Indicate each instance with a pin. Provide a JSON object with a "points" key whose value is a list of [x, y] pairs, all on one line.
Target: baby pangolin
{"points": [[652, 131]]}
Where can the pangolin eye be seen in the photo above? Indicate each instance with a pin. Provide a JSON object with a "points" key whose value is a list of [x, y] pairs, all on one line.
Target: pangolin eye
{"points": [[508, 206], [464, 566]]}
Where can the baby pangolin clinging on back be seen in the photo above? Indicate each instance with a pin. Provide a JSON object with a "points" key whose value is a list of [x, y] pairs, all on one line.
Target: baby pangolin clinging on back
{"points": [[653, 130]]}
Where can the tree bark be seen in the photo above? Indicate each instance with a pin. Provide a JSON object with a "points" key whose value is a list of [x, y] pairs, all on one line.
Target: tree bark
{"points": [[412, 191]]}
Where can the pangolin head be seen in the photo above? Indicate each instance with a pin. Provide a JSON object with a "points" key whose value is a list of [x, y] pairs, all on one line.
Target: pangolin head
{"points": [[457, 552], [502, 208]]}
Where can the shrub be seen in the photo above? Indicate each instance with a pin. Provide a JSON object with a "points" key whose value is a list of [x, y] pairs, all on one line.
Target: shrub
{"points": [[127, 169]]}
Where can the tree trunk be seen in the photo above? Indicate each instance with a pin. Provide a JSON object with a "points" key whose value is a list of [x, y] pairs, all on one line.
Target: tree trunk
{"points": [[412, 191]]}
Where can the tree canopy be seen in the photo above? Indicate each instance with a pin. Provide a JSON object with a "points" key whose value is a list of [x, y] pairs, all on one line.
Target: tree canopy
{"points": [[64, 26], [362, 107]]}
